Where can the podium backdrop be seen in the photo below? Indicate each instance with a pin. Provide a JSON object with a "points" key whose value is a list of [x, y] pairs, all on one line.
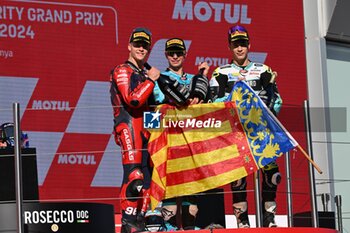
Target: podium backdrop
{"points": [[29, 175]]}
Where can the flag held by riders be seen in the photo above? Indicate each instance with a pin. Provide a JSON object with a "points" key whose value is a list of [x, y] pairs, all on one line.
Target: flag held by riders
{"points": [[205, 146]]}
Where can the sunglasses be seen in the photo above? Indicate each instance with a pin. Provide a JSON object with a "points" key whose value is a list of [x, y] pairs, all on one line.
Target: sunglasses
{"points": [[242, 43], [178, 53], [139, 44]]}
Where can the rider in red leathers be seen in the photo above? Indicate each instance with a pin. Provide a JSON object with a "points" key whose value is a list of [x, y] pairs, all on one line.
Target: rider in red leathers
{"points": [[131, 94]]}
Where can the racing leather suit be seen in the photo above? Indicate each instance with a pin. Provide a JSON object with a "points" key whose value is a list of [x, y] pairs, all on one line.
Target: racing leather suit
{"points": [[131, 94], [260, 78], [189, 208]]}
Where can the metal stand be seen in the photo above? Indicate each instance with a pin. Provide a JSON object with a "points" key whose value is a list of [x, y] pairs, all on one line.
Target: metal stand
{"points": [[257, 192], [325, 200], [338, 203], [289, 190], [18, 167], [314, 212]]}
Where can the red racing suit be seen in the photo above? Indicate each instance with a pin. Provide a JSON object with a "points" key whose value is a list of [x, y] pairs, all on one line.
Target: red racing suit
{"points": [[131, 94]]}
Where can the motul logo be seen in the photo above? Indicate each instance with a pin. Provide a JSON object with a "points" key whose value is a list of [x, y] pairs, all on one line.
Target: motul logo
{"points": [[76, 159], [215, 11], [212, 61], [51, 105]]}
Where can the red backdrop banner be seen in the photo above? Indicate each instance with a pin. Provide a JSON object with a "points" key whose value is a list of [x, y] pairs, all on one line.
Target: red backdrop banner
{"points": [[55, 60]]}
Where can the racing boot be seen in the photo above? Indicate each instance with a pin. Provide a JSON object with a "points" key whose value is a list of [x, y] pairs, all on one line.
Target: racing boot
{"points": [[269, 214], [240, 210]]}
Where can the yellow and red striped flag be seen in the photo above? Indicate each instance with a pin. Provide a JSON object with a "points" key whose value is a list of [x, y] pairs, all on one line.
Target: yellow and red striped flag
{"points": [[198, 148], [205, 146]]}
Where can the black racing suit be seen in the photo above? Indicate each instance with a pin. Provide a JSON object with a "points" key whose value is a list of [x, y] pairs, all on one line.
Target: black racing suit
{"points": [[189, 203], [260, 78]]}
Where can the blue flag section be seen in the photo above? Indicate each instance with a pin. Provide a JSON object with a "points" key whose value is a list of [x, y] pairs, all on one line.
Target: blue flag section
{"points": [[267, 138]]}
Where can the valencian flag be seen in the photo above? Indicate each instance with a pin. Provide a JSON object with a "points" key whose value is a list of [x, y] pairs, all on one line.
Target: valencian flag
{"points": [[205, 146]]}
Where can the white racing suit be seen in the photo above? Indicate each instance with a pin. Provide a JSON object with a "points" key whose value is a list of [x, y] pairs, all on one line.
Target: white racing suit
{"points": [[261, 79]]}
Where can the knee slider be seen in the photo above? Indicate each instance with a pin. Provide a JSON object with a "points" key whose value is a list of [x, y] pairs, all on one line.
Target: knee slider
{"points": [[238, 184], [271, 174], [273, 179], [135, 184], [276, 178]]}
